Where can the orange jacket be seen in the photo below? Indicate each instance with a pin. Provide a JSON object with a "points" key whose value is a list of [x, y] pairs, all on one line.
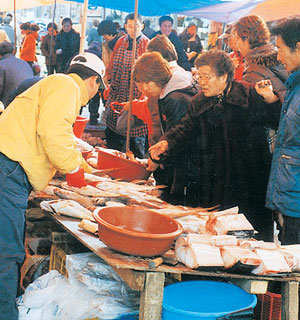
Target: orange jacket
{"points": [[27, 51]]}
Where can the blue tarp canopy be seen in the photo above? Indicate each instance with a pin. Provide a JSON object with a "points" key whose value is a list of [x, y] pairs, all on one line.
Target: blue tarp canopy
{"points": [[153, 7]]}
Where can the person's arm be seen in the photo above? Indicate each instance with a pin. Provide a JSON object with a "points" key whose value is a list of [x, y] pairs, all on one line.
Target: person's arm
{"points": [[57, 113], [108, 71], [266, 104], [44, 48], [2, 77]]}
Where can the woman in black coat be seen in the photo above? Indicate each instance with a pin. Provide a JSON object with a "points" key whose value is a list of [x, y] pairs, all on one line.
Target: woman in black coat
{"points": [[67, 45], [227, 120]]}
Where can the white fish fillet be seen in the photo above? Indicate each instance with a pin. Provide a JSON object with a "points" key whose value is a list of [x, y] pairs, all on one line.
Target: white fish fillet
{"points": [[197, 255], [218, 241], [192, 224], [255, 244], [89, 226], [233, 255], [291, 254], [272, 262], [225, 223], [68, 208]]}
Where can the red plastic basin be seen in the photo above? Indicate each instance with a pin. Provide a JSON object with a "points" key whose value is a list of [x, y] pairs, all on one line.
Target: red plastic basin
{"points": [[79, 126], [125, 169], [135, 230]]}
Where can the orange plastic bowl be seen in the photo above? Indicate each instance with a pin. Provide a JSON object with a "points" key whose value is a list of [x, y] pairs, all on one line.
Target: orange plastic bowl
{"points": [[125, 169], [136, 231]]}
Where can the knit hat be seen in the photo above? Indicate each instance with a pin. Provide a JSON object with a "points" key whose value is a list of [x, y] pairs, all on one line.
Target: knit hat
{"points": [[107, 27]]}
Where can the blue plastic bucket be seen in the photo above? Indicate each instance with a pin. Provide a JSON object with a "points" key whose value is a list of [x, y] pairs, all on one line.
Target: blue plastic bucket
{"points": [[204, 300]]}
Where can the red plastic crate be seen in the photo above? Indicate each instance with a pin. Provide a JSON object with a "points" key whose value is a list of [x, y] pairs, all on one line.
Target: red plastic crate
{"points": [[268, 306]]}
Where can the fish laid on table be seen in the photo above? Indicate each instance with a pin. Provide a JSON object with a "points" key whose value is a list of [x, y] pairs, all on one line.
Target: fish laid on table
{"points": [[272, 262], [225, 223], [291, 254], [233, 255], [195, 255], [88, 191], [88, 225], [257, 244], [70, 195], [218, 241], [68, 208]]}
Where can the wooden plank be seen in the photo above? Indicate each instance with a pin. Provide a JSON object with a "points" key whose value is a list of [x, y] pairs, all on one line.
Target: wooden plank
{"points": [[251, 286], [289, 300], [123, 261], [134, 279], [152, 296]]}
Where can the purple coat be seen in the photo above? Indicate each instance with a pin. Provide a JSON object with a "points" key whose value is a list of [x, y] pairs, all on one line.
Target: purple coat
{"points": [[13, 71]]}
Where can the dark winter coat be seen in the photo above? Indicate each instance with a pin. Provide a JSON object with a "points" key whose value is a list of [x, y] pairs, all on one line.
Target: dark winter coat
{"points": [[182, 57], [12, 72], [232, 162], [69, 42], [190, 46], [46, 45], [261, 63]]}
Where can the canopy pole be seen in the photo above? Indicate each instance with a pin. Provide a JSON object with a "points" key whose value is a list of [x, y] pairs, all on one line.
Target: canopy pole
{"points": [[51, 39], [15, 27], [131, 77], [83, 25]]}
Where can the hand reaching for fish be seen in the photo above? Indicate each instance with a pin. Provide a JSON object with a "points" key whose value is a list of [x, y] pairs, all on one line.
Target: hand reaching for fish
{"points": [[158, 149]]}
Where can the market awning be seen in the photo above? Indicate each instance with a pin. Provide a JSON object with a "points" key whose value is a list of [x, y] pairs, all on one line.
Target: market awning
{"points": [[8, 5], [153, 7], [269, 10]]}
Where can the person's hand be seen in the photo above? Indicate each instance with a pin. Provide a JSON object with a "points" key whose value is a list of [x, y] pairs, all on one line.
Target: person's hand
{"points": [[76, 178], [264, 88], [159, 148], [59, 52], [151, 166]]}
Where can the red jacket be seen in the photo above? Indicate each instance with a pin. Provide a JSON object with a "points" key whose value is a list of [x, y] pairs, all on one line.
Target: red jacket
{"points": [[27, 51]]}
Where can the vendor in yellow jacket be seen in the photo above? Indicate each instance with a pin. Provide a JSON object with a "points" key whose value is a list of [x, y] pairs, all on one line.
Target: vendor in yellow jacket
{"points": [[36, 140]]}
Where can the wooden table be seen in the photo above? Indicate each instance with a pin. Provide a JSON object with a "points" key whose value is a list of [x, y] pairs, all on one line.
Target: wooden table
{"points": [[136, 273]]}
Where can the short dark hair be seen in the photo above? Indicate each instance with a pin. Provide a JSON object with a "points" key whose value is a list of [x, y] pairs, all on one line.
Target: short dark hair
{"points": [[82, 71], [50, 25], [219, 61], [130, 16], [67, 20], [6, 47], [25, 26], [165, 18], [164, 46], [34, 27], [289, 30]]}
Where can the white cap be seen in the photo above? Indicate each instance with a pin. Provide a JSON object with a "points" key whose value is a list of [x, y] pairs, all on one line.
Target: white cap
{"points": [[91, 61]]}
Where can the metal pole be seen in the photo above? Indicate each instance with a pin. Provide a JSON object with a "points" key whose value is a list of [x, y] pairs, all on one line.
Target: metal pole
{"points": [[83, 25], [51, 39], [131, 77], [15, 25]]}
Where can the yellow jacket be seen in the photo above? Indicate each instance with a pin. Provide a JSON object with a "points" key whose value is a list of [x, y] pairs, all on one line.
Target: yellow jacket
{"points": [[36, 128]]}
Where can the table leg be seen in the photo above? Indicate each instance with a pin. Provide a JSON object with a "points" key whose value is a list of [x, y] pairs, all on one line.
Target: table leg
{"points": [[289, 300], [151, 296]]}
